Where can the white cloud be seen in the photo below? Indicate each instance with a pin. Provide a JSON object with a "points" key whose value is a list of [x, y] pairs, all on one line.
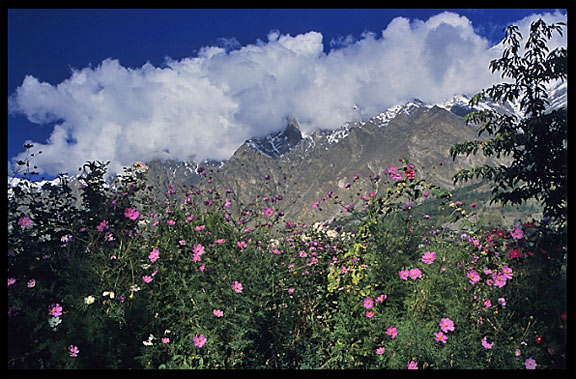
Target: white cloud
{"points": [[206, 106]]}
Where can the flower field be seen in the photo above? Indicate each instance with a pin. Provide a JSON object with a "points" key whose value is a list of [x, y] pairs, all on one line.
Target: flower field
{"points": [[120, 279]]}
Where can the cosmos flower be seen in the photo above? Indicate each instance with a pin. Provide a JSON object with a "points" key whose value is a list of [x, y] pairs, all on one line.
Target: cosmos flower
{"points": [[440, 337], [446, 325], [429, 257], [487, 342], [131, 213], [237, 287], [200, 340], [73, 351], [154, 255], [530, 364]]}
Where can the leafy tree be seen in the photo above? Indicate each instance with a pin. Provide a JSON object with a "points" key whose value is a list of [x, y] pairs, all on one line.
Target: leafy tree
{"points": [[536, 142]]}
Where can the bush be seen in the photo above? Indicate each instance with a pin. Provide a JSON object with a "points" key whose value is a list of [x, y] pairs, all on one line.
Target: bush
{"points": [[118, 279]]}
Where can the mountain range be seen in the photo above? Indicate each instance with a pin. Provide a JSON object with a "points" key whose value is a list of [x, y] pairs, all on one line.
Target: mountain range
{"points": [[303, 168]]}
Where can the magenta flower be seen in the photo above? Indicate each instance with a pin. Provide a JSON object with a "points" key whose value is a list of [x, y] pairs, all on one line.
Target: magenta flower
{"points": [[217, 312], [147, 278], [368, 303], [487, 303], [440, 337], [403, 274], [446, 325], [415, 273], [517, 232], [132, 214], [530, 364], [392, 332], [369, 314], [412, 365], [487, 342], [73, 351], [165, 340], [31, 283], [241, 244], [237, 287], [473, 276], [154, 255], [55, 310], [429, 257], [502, 302], [199, 341], [25, 221], [103, 225], [11, 281], [380, 350], [515, 253], [268, 212]]}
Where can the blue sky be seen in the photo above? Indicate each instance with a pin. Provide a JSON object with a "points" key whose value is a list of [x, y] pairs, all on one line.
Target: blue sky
{"points": [[90, 93]]}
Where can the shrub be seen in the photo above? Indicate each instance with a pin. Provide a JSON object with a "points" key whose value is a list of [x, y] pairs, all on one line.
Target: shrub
{"points": [[114, 278]]}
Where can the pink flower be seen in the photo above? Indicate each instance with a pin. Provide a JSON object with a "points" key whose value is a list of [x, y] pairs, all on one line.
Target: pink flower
{"points": [[446, 325], [73, 351], [368, 303], [412, 365], [369, 314], [25, 221], [241, 244], [171, 222], [217, 313], [103, 225], [499, 279], [440, 337], [199, 341], [11, 281], [31, 283], [487, 342], [403, 274], [530, 364], [507, 272], [154, 255], [380, 350], [132, 214], [55, 310], [165, 340], [268, 212], [502, 302], [487, 303], [429, 257], [515, 253], [198, 250], [473, 276], [392, 332], [147, 278], [237, 287], [415, 273], [380, 299]]}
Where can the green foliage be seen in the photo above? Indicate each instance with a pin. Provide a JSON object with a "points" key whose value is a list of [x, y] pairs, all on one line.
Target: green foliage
{"points": [[535, 146], [147, 283]]}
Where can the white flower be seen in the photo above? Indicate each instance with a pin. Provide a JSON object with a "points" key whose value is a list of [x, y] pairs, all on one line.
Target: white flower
{"points": [[134, 288], [108, 293], [89, 299], [54, 321], [149, 341]]}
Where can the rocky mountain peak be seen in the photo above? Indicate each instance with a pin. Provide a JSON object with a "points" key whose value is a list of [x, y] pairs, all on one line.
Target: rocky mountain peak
{"points": [[279, 143]]}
